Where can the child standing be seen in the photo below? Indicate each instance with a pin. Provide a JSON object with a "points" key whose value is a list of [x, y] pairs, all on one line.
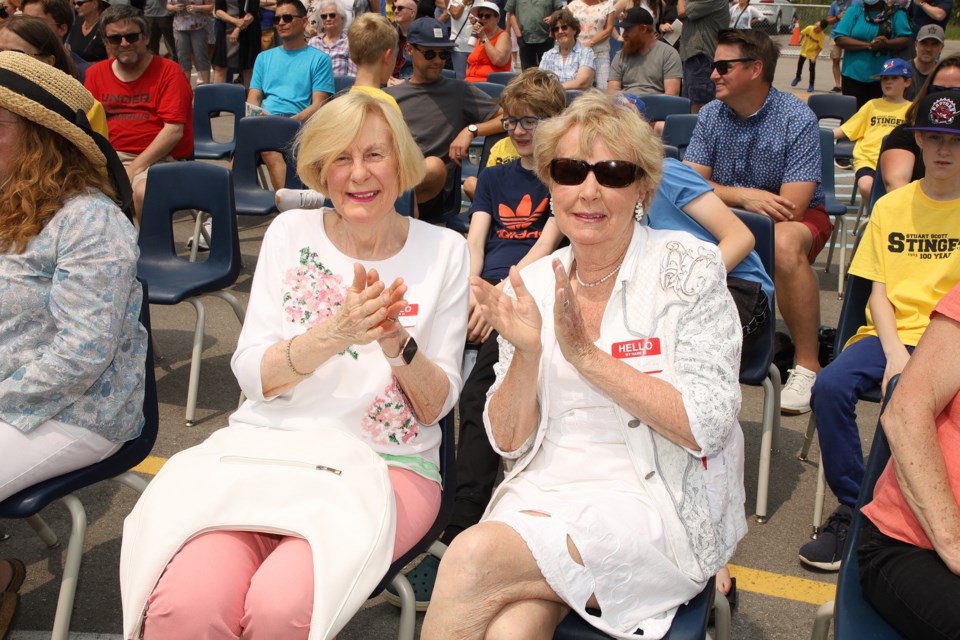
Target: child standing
{"points": [[910, 253], [876, 119], [811, 43]]}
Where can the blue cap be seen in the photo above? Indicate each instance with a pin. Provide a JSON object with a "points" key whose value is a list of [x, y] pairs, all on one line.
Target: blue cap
{"points": [[429, 32], [629, 98], [895, 67]]}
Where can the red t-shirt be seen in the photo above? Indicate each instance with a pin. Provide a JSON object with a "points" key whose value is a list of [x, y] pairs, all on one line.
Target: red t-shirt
{"points": [[889, 510], [137, 111]]}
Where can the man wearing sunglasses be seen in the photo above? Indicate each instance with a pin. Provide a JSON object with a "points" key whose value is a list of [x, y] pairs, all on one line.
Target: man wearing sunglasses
{"points": [[291, 80], [444, 116], [147, 98], [760, 148]]}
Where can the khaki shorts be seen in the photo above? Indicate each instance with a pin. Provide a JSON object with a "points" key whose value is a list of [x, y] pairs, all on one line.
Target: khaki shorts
{"points": [[836, 53], [127, 158]]}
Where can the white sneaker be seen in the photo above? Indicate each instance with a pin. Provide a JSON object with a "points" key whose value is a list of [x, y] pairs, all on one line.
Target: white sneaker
{"points": [[299, 199], [795, 394], [203, 245]]}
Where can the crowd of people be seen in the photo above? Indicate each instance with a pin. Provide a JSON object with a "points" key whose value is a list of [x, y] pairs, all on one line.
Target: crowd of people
{"points": [[608, 293]]}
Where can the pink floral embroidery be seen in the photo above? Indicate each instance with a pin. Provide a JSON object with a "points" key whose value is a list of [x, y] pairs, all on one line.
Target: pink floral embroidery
{"points": [[389, 418]]}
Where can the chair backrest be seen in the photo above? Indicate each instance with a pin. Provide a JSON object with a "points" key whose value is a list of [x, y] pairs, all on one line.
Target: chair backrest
{"points": [[855, 617], [832, 105], [342, 83], [178, 186], [501, 77], [572, 94], [879, 189], [492, 89], [659, 106], [756, 365], [211, 98], [488, 143], [447, 73], [827, 177], [678, 129], [264, 133]]}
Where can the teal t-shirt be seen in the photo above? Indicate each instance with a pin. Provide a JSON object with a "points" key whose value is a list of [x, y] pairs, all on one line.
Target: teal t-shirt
{"points": [[288, 79], [862, 65]]}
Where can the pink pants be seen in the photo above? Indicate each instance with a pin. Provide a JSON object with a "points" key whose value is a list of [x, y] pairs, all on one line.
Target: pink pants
{"points": [[225, 584]]}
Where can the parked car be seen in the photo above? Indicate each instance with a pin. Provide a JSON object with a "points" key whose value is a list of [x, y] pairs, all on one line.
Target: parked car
{"points": [[778, 16]]}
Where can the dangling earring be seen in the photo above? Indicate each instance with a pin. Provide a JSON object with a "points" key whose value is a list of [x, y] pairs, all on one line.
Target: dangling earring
{"points": [[550, 205], [638, 211]]}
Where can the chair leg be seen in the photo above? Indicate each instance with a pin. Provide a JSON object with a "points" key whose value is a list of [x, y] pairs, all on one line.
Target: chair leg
{"points": [[132, 480], [775, 381], [233, 302], [437, 549], [194, 383], [197, 232], [408, 607], [766, 450], [808, 438], [43, 531], [818, 499], [721, 616], [842, 267], [821, 625], [71, 568], [830, 247]]}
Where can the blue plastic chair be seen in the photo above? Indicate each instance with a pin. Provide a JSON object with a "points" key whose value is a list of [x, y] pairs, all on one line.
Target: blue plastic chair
{"points": [[659, 106], [501, 77], [255, 135], [759, 369], [838, 107], [207, 100], [492, 89], [28, 504], [173, 187], [690, 623], [834, 208], [429, 543], [678, 129], [449, 73], [343, 83], [572, 94], [855, 618]]}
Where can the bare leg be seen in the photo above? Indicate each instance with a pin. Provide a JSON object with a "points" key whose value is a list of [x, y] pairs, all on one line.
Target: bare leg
{"points": [[276, 168], [139, 189], [219, 74], [865, 186], [469, 187], [836, 72], [798, 294]]}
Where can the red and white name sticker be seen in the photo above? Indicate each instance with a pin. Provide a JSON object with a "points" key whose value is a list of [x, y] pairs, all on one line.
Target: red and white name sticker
{"points": [[408, 317], [647, 349]]}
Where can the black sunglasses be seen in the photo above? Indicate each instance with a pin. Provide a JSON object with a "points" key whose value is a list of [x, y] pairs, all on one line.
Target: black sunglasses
{"points": [[131, 37], [286, 18], [723, 66], [935, 88], [328, 16], [560, 27], [486, 16], [614, 174], [80, 3], [430, 54]]}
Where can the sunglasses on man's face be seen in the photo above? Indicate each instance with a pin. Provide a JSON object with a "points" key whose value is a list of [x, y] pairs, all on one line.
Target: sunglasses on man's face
{"points": [[723, 66], [430, 54], [286, 18], [936, 88], [614, 174], [118, 39]]}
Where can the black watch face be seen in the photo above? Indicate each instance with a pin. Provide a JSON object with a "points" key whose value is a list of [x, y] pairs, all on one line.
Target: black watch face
{"points": [[410, 350]]}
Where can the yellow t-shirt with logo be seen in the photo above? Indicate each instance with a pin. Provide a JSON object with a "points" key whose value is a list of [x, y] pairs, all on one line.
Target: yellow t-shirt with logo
{"points": [[912, 245], [812, 42], [502, 152], [377, 93], [869, 125]]}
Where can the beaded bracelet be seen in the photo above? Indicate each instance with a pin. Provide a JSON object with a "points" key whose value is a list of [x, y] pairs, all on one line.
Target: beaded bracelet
{"points": [[290, 360]]}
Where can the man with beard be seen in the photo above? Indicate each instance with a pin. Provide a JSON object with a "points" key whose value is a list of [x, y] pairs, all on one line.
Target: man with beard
{"points": [[645, 65], [929, 45], [147, 98]]}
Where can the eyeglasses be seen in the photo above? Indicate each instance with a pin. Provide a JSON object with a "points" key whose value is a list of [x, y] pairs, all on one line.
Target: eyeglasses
{"points": [[936, 88], [286, 18], [430, 54], [117, 39], [560, 27], [614, 174], [723, 66], [403, 7], [527, 123], [328, 16], [80, 3], [486, 16]]}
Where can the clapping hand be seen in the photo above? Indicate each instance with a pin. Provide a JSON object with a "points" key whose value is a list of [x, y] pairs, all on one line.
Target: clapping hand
{"points": [[517, 320], [370, 309], [571, 333]]}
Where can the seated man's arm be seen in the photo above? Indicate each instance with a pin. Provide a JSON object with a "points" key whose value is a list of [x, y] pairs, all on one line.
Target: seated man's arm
{"points": [[460, 144], [671, 86], [317, 98], [160, 148], [614, 86], [779, 206], [255, 96], [925, 389]]}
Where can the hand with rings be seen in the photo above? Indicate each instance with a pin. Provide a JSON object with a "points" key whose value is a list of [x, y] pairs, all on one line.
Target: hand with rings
{"points": [[370, 309]]}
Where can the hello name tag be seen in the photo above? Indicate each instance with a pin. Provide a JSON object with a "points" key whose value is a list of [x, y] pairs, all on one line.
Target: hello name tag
{"points": [[408, 317], [647, 349]]}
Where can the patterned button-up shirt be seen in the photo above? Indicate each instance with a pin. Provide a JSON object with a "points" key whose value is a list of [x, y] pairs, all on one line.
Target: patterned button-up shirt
{"points": [[566, 70], [339, 53]]}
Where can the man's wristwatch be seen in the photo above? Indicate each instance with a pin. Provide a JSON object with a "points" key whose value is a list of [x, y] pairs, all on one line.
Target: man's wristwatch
{"points": [[472, 128], [407, 352]]}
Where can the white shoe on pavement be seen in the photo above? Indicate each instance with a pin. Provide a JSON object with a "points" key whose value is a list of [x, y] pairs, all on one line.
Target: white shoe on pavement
{"points": [[202, 245], [795, 394], [299, 199]]}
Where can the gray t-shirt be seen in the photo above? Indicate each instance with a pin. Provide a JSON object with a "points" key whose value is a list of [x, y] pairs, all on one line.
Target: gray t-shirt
{"points": [[643, 74], [155, 9], [705, 19], [436, 113], [530, 15]]}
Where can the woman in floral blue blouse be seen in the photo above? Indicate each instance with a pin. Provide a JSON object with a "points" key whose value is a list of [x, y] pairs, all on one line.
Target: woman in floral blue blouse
{"points": [[72, 350]]}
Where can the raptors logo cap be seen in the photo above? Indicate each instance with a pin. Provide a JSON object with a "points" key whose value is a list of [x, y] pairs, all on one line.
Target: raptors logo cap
{"points": [[939, 112]]}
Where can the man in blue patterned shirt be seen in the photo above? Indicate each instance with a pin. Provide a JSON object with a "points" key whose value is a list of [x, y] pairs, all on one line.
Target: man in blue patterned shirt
{"points": [[760, 149]]}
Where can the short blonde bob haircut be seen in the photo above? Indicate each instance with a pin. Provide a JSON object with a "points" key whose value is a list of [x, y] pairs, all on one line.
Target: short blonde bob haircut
{"points": [[603, 117], [334, 127]]}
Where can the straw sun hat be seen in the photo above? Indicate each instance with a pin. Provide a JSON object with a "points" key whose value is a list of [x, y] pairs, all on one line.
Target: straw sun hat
{"points": [[45, 95]]}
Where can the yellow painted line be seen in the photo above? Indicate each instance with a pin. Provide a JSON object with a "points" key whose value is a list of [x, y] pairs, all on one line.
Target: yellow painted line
{"points": [[781, 586], [753, 580]]}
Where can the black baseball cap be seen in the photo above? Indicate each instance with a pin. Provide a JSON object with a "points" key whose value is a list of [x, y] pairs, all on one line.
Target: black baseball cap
{"points": [[635, 16], [940, 113]]}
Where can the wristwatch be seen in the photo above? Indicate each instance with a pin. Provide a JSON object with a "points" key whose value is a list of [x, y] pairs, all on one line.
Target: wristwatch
{"points": [[472, 128], [407, 352]]}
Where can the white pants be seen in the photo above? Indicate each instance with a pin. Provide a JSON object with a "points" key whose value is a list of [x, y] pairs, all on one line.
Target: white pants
{"points": [[50, 450]]}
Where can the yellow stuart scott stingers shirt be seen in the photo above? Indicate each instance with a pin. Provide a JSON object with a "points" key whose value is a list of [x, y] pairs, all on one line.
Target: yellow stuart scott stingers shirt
{"points": [[869, 125], [912, 245], [812, 43]]}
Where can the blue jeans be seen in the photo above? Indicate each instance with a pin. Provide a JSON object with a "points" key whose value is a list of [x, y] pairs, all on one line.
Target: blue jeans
{"points": [[839, 386]]}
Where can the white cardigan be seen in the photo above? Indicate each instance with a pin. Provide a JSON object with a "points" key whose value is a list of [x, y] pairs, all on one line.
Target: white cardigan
{"points": [[672, 287]]}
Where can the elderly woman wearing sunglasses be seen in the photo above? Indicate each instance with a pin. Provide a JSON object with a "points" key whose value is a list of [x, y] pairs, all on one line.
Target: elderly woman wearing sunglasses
{"points": [[492, 51], [615, 405]]}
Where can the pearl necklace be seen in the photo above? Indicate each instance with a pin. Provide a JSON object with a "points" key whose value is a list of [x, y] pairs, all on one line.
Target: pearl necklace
{"points": [[591, 285]]}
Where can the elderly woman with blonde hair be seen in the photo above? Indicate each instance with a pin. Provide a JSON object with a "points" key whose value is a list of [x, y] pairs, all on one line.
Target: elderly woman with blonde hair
{"points": [[615, 404], [349, 356]]}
